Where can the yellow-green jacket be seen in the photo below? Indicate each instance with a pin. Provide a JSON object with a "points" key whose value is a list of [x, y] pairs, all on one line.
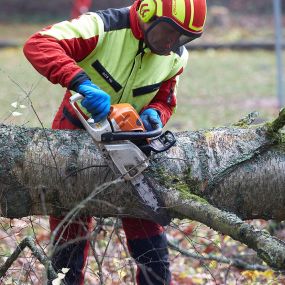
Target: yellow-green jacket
{"points": [[107, 46]]}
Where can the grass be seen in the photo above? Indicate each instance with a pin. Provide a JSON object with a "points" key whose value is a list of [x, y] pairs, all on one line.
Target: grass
{"points": [[19, 78], [217, 88], [220, 87], [19, 31]]}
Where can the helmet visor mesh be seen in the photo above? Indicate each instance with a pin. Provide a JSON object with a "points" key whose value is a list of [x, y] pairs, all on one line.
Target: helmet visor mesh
{"points": [[163, 36]]}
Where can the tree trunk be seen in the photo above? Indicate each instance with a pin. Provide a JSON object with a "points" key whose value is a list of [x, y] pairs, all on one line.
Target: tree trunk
{"points": [[237, 169], [241, 170]]}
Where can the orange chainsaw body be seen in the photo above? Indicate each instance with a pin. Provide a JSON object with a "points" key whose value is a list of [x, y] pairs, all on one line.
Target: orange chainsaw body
{"points": [[126, 118]]}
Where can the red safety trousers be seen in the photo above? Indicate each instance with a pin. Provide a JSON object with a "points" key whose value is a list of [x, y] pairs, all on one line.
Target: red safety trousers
{"points": [[146, 241]]}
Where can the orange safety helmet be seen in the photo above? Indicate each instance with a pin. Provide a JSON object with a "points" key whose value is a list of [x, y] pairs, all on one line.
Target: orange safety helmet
{"points": [[173, 22]]}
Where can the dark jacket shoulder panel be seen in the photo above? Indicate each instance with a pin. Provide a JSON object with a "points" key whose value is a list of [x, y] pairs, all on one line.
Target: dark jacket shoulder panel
{"points": [[115, 19]]}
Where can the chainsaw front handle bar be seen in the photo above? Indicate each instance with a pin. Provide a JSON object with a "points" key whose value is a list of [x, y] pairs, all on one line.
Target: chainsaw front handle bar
{"points": [[118, 136]]}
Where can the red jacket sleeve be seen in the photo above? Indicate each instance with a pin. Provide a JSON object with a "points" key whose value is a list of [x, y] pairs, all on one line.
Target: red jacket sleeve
{"points": [[56, 59], [165, 99]]}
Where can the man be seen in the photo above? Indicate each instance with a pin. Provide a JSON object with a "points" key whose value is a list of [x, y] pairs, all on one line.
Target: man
{"points": [[80, 7], [132, 55]]}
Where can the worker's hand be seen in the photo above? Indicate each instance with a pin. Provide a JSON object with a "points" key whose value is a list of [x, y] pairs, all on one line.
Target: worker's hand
{"points": [[151, 119], [96, 101]]}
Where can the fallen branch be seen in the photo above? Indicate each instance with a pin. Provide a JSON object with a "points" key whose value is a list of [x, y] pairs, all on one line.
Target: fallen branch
{"points": [[37, 252], [268, 248]]}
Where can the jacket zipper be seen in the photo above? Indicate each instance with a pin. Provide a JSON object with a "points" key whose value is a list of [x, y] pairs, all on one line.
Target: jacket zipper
{"points": [[140, 51]]}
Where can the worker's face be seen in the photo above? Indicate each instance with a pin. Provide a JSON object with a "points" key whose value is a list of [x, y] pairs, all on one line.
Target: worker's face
{"points": [[162, 37]]}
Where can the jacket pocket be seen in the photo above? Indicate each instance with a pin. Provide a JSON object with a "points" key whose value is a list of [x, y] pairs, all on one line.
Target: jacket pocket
{"points": [[106, 76], [146, 89]]}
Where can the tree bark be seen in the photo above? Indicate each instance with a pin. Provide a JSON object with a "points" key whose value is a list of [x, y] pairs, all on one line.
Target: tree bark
{"points": [[238, 169], [206, 175]]}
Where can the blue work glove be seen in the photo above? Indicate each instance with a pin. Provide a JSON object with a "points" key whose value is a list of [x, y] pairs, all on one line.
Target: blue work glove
{"points": [[151, 119], [96, 101]]}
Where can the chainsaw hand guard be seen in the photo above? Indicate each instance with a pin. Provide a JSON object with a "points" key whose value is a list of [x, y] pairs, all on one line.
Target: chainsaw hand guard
{"points": [[160, 144]]}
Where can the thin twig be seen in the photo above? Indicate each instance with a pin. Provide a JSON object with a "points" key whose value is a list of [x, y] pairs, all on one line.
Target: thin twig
{"points": [[96, 256], [41, 123], [194, 246], [278, 123], [84, 168], [247, 120], [132, 269], [107, 246], [238, 263], [82, 205]]}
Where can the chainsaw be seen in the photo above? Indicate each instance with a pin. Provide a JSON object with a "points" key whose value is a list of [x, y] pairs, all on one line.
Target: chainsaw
{"points": [[126, 146]]}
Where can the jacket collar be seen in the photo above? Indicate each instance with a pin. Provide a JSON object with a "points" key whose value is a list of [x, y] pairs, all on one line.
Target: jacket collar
{"points": [[134, 20]]}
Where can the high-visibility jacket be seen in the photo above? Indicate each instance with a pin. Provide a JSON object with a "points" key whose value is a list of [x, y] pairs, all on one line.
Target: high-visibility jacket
{"points": [[108, 47]]}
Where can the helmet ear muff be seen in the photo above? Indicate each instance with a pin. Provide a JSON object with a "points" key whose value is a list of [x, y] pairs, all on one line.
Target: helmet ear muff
{"points": [[147, 10]]}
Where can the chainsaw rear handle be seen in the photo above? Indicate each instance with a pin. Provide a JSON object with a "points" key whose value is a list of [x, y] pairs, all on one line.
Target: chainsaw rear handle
{"points": [[118, 136], [101, 127]]}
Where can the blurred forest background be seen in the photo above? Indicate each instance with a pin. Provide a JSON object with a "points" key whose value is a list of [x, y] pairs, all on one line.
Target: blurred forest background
{"points": [[39, 10], [218, 87]]}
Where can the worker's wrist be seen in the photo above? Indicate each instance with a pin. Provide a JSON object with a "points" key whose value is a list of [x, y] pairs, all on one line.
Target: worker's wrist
{"points": [[77, 80]]}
